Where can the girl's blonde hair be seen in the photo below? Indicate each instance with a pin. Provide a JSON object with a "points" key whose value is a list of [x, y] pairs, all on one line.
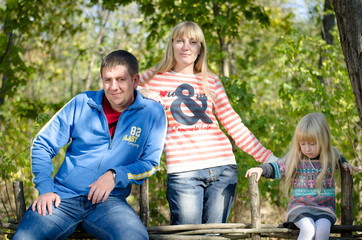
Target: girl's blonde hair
{"points": [[191, 30], [311, 128]]}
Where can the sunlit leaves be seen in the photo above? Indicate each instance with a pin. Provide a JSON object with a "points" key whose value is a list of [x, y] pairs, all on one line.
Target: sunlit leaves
{"points": [[277, 77]]}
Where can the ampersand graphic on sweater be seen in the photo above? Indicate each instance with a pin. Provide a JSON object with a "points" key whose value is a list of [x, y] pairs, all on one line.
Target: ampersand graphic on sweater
{"points": [[193, 106]]}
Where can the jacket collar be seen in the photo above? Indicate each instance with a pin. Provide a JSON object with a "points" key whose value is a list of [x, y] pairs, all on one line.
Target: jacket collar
{"points": [[139, 101]]}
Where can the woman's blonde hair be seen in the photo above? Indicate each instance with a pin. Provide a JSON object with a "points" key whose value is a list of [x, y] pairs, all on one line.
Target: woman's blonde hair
{"points": [[191, 30], [311, 128]]}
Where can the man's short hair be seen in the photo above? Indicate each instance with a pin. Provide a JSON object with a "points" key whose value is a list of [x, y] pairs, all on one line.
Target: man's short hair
{"points": [[121, 58]]}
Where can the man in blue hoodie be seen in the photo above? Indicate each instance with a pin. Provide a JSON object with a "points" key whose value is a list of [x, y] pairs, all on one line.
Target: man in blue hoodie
{"points": [[115, 138]]}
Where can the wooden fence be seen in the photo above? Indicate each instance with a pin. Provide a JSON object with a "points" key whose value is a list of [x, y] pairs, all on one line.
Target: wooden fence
{"points": [[253, 230]]}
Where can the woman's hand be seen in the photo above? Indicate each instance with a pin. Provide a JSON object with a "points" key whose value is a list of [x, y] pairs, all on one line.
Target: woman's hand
{"points": [[152, 95]]}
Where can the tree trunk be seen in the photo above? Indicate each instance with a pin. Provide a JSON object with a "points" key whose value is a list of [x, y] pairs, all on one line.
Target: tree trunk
{"points": [[349, 21], [328, 22], [327, 26], [103, 22], [224, 67], [233, 68], [3, 59]]}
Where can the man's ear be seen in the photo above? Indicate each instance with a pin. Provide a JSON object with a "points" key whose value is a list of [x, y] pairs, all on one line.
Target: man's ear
{"points": [[136, 80]]}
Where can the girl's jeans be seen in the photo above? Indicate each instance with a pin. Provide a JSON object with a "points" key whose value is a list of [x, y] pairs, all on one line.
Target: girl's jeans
{"points": [[112, 219], [201, 196]]}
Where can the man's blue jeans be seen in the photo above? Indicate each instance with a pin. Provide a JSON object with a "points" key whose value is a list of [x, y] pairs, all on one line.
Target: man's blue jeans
{"points": [[112, 219], [201, 196]]}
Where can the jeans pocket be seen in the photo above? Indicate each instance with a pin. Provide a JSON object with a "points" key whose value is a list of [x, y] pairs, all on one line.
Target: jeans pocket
{"points": [[234, 166]]}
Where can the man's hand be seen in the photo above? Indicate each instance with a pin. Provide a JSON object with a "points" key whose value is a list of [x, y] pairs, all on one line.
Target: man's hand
{"points": [[45, 201], [350, 168], [257, 170], [101, 188]]}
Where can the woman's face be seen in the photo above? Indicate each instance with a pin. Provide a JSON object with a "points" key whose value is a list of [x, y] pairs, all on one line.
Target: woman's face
{"points": [[185, 50]]}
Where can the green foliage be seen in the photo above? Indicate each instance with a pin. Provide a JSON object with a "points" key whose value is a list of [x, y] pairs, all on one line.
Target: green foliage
{"points": [[27, 27], [159, 213], [281, 82], [50, 49], [22, 118], [221, 21]]}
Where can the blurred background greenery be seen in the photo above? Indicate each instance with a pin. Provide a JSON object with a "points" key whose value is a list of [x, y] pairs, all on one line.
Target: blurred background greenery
{"points": [[274, 62]]}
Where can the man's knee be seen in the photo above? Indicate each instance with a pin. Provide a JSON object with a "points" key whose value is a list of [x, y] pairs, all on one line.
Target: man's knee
{"points": [[25, 228], [21, 234], [135, 232], [118, 231], [36, 226], [133, 229]]}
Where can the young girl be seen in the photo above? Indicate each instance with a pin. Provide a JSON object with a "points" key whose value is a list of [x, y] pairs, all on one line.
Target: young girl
{"points": [[201, 167], [309, 168]]}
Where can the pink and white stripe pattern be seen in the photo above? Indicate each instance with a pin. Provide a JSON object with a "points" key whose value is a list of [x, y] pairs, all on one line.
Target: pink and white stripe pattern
{"points": [[201, 143]]}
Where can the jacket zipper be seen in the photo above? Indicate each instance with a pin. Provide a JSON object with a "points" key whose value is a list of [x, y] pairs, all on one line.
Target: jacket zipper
{"points": [[106, 124]]}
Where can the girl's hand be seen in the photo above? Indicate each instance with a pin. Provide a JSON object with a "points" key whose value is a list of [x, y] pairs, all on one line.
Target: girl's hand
{"points": [[257, 170], [350, 168]]}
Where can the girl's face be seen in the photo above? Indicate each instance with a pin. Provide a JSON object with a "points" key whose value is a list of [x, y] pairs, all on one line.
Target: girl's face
{"points": [[185, 50], [309, 149]]}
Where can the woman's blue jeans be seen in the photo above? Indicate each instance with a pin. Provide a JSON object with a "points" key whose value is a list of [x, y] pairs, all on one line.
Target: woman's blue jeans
{"points": [[201, 196], [112, 219]]}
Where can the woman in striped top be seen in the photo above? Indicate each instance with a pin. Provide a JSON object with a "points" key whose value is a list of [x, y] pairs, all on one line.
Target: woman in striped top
{"points": [[201, 167]]}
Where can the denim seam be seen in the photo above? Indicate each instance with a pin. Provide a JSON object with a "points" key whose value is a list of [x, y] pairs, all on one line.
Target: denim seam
{"points": [[69, 227]]}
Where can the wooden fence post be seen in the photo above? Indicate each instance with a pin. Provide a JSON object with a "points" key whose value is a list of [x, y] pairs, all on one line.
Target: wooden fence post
{"points": [[346, 200], [144, 204], [19, 199], [255, 205]]}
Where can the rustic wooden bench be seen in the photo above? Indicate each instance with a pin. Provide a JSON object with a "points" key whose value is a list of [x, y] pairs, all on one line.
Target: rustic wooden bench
{"points": [[253, 230], [256, 230]]}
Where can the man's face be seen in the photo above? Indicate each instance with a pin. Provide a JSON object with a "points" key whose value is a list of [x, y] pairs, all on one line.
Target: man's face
{"points": [[119, 86]]}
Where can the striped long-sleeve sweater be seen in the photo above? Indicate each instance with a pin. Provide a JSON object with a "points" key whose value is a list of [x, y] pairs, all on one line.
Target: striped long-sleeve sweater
{"points": [[194, 139]]}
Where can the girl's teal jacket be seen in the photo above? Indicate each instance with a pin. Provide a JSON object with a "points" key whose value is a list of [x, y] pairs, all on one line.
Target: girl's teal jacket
{"points": [[134, 152]]}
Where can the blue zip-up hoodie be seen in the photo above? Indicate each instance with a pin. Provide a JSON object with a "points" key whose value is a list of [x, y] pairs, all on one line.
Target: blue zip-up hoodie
{"points": [[134, 153]]}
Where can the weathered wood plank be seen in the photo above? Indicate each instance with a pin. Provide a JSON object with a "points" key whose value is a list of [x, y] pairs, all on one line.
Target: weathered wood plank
{"points": [[144, 202], [18, 189], [346, 200], [255, 205], [187, 227]]}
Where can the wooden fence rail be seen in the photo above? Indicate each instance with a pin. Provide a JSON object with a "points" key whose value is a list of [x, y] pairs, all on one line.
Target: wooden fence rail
{"points": [[253, 230]]}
